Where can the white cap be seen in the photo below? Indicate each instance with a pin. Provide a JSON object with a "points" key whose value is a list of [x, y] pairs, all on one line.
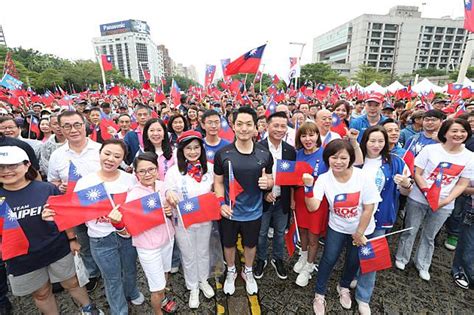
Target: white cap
{"points": [[12, 155]]}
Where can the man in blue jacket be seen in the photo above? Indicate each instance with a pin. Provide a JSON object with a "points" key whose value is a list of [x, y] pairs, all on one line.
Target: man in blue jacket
{"points": [[373, 116]]}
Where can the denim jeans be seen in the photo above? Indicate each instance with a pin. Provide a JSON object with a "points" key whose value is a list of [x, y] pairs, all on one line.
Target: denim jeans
{"points": [[176, 256], [83, 239], [274, 214], [366, 281], [418, 214], [4, 301], [464, 256], [335, 242], [453, 224], [117, 261]]}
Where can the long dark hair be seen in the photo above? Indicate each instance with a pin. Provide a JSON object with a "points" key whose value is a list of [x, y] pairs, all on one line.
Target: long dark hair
{"points": [[165, 144], [183, 164], [41, 136], [173, 118], [385, 153]]}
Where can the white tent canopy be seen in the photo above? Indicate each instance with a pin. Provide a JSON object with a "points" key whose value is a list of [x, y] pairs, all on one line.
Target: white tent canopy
{"points": [[395, 86], [426, 86], [375, 87]]}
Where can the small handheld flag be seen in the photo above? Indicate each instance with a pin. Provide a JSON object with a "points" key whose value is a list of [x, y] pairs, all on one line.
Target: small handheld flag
{"points": [[200, 209], [14, 241], [142, 214]]}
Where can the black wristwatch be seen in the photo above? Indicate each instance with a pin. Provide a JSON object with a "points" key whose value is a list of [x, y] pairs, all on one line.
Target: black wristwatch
{"points": [[72, 239]]}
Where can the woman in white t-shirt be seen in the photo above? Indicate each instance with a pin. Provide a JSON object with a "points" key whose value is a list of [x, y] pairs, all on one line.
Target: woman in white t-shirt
{"points": [[352, 198], [442, 172], [111, 247], [191, 177]]}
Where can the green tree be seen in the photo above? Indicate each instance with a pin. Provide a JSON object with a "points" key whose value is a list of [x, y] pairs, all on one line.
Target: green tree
{"points": [[183, 83], [321, 73], [367, 74], [469, 74]]}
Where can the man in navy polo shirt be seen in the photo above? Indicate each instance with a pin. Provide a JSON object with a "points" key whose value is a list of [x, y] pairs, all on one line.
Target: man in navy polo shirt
{"points": [[251, 165], [373, 114]]}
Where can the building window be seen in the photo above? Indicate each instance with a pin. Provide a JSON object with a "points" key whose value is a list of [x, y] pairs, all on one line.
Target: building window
{"points": [[121, 67], [377, 26], [390, 27], [429, 29], [142, 56], [460, 31], [450, 30], [440, 30]]}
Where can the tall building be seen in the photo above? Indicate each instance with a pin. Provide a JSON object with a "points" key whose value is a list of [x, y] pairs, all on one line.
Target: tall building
{"points": [[167, 62], [2, 37], [400, 42], [132, 49]]}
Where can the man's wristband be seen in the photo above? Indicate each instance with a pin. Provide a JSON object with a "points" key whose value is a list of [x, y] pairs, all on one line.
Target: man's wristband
{"points": [[308, 191]]}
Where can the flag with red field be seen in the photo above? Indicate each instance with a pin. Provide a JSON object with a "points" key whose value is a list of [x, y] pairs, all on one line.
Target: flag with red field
{"points": [[72, 178], [225, 132], [107, 64], [104, 125], [374, 256], [291, 239], [271, 107], [80, 206], [443, 171], [115, 90], [203, 208], [247, 63], [142, 214], [209, 75], [468, 16], [342, 201], [34, 126], [14, 241], [409, 157], [234, 186], [275, 79], [175, 93], [338, 125], [159, 96], [454, 88], [290, 173]]}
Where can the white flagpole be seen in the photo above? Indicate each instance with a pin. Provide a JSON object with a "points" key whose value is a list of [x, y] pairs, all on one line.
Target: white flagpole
{"points": [[99, 59], [164, 215], [182, 222], [392, 233], [296, 224]]}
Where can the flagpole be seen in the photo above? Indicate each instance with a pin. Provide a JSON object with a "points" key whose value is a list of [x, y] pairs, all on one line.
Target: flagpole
{"points": [[296, 225], [261, 78], [230, 199], [182, 222], [164, 215], [99, 59], [245, 82], [391, 233], [29, 127], [466, 58]]}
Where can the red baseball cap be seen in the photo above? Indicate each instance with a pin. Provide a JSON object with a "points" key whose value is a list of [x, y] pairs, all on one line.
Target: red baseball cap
{"points": [[375, 97], [189, 135]]}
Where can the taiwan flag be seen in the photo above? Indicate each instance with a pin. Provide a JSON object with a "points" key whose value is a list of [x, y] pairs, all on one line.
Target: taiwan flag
{"points": [[444, 170], [291, 239], [34, 126], [107, 64], [338, 125], [72, 178], [175, 93], [209, 76], [343, 201], [247, 63], [271, 107], [80, 206], [454, 88], [104, 125], [234, 187], [225, 132], [143, 214], [375, 256], [159, 96], [409, 157], [468, 16], [290, 173], [14, 241], [203, 208]]}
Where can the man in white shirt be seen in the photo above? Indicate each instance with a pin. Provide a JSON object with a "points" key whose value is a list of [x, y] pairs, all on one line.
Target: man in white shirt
{"points": [[324, 123]]}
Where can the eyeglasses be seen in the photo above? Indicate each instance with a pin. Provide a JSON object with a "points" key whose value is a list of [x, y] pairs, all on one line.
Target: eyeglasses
{"points": [[150, 171], [76, 126], [10, 167], [8, 128]]}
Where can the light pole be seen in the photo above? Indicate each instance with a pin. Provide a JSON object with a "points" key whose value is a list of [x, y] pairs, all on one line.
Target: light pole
{"points": [[299, 59]]}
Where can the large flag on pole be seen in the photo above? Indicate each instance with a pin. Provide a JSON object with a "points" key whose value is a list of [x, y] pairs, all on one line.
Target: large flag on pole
{"points": [[209, 76], [107, 64], [294, 70], [175, 93], [247, 63], [468, 16], [14, 241], [142, 214]]}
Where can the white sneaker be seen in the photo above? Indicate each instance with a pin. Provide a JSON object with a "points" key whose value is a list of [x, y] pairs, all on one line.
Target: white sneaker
{"points": [[206, 289], [194, 298], [139, 300], [229, 283], [304, 276], [353, 284], [270, 233], [364, 308], [174, 270], [298, 267], [425, 275], [399, 265], [344, 297], [250, 283]]}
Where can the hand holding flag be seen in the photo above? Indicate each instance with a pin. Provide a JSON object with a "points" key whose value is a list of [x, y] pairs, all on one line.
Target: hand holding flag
{"points": [[143, 214], [289, 173], [203, 208], [375, 255], [14, 241]]}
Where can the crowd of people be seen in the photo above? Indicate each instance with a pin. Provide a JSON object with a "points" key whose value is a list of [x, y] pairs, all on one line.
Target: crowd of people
{"points": [[360, 186]]}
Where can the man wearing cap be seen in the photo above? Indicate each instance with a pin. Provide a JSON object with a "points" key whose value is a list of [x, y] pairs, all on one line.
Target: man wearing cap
{"points": [[413, 128], [373, 116], [84, 153], [439, 104], [37, 108], [249, 166], [388, 111]]}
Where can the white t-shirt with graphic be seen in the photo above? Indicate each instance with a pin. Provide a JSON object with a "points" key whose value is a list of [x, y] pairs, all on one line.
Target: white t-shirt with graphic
{"points": [[434, 158], [346, 200]]}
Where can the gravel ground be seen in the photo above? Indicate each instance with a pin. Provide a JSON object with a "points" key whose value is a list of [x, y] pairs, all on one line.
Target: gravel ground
{"points": [[396, 292]]}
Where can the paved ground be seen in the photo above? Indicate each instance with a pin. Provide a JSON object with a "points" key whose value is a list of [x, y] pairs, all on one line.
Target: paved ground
{"points": [[396, 292]]}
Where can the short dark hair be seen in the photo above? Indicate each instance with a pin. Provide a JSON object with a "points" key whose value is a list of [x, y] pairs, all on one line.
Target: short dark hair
{"points": [[335, 146], [165, 144], [346, 104], [277, 115], [118, 142], [390, 120], [122, 115], [139, 106], [434, 113], [173, 118], [7, 118], [182, 163], [448, 123], [70, 113], [245, 110], [146, 156], [385, 153], [95, 109], [209, 113]]}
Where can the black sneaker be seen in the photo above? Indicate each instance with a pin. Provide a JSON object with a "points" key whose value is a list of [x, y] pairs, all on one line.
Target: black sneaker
{"points": [[92, 284], [258, 270], [461, 280], [279, 268]]}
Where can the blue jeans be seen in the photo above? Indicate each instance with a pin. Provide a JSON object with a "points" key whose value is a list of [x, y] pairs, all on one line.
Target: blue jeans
{"points": [[335, 242], [176, 256], [83, 239], [279, 219], [453, 224], [464, 256], [4, 301], [366, 281], [117, 261]]}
